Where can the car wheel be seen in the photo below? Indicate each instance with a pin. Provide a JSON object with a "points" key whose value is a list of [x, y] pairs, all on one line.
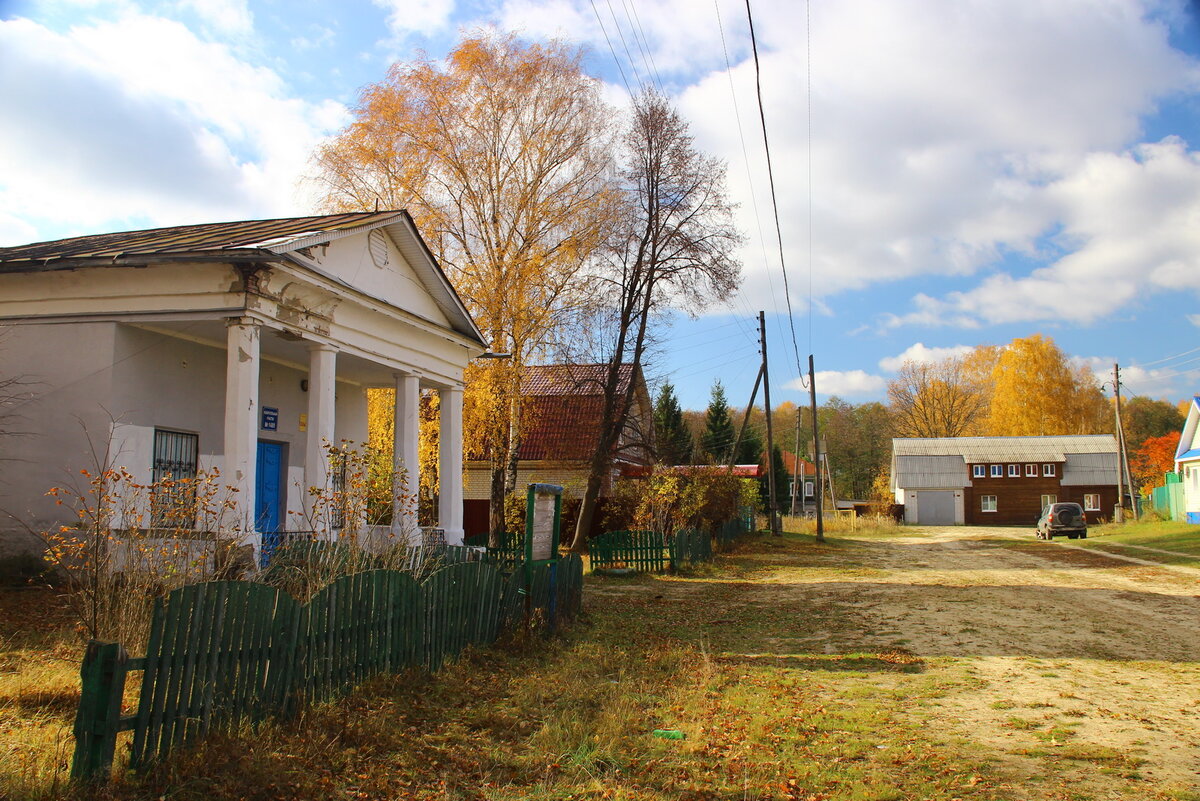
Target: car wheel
{"points": [[1072, 536], [1083, 536]]}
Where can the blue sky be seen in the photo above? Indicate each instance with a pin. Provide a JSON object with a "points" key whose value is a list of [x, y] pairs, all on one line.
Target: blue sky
{"points": [[981, 170]]}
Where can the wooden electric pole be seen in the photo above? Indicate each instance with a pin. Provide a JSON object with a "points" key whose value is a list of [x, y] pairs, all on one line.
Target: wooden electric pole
{"points": [[772, 503], [812, 394], [1122, 455]]}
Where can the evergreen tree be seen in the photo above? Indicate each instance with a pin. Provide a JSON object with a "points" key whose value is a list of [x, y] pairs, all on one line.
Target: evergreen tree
{"points": [[751, 448], [671, 434], [719, 433]]}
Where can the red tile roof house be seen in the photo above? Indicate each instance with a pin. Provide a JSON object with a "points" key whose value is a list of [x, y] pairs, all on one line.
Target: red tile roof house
{"points": [[564, 403], [243, 346]]}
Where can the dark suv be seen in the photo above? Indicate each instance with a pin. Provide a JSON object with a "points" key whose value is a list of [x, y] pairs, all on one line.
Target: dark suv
{"points": [[1062, 518]]}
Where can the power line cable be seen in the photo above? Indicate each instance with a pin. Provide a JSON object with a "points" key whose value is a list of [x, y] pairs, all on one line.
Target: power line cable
{"points": [[624, 44], [762, 240], [762, 115], [635, 25], [611, 49], [1168, 358]]}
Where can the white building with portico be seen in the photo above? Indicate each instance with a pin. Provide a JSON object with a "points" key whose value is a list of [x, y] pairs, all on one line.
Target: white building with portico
{"points": [[244, 346]]}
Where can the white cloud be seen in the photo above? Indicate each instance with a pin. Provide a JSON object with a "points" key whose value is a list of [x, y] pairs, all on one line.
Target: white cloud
{"points": [[922, 354], [1174, 381], [1194, 319], [425, 17], [1131, 225], [935, 128], [228, 17], [148, 124], [843, 383]]}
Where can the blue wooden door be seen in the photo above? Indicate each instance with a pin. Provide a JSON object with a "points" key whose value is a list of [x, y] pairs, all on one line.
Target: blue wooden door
{"points": [[268, 497]]}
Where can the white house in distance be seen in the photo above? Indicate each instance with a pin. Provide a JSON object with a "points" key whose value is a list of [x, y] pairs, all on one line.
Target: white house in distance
{"points": [[1187, 462], [245, 346]]}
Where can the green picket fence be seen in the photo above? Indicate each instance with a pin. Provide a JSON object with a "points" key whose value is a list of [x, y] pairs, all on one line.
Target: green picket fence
{"points": [[689, 546], [224, 652], [510, 553], [641, 551]]}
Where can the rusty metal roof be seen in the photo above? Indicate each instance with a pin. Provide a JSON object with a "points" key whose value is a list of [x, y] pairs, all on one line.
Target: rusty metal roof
{"points": [[251, 240]]}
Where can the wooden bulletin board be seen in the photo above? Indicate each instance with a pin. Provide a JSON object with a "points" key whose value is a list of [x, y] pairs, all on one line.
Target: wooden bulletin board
{"points": [[543, 511]]}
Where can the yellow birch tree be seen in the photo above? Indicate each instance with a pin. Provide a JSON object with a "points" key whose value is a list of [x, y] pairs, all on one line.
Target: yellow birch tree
{"points": [[502, 153], [1035, 391]]}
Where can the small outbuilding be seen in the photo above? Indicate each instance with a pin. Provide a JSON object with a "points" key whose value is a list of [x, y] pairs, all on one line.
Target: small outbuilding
{"points": [[1002, 480]]}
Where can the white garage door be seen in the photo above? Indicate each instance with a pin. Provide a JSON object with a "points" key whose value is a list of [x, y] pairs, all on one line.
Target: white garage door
{"points": [[936, 508]]}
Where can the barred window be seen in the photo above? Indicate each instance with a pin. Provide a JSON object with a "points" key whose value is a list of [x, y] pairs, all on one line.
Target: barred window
{"points": [[173, 473]]}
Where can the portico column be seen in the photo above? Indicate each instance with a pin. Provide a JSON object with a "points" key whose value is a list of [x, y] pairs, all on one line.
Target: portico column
{"points": [[241, 421], [450, 464], [322, 372], [405, 466]]}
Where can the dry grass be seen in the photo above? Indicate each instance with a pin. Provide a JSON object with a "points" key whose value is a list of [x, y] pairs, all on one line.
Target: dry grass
{"points": [[772, 688], [39, 691]]}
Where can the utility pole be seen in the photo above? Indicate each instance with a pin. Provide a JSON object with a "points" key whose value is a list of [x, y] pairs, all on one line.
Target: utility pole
{"points": [[772, 504], [737, 443], [1119, 512], [1123, 455], [796, 464], [812, 394]]}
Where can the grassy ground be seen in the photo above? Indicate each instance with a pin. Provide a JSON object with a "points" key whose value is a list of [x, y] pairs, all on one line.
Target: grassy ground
{"points": [[1183, 538], [714, 655]]}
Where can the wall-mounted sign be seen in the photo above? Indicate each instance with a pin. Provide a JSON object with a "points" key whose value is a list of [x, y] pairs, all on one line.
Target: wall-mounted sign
{"points": [[270, 418]]}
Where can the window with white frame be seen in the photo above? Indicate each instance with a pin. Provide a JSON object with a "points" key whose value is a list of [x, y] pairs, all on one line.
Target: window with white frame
{"points": [[997, 471], [1091, 502], [979, 470], [1014, 471], [987, 503], [1031, 471], [809, 489], [1049, 499], [1048, 470]]}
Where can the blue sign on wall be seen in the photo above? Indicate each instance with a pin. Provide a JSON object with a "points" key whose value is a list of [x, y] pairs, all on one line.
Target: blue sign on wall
{"points": [[270, 418]]}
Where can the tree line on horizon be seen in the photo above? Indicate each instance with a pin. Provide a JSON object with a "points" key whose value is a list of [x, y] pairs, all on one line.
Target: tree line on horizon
{"points": [[1027, 387]]}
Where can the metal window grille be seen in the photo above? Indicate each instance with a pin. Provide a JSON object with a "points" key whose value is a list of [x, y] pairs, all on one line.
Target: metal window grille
{"points": [[173, 473], [337, 479]]}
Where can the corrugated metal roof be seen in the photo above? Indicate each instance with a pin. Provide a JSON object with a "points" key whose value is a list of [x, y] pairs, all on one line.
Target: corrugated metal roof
{"points": [[247, 237], [928, 472], [1084, 469], [976, 450]]}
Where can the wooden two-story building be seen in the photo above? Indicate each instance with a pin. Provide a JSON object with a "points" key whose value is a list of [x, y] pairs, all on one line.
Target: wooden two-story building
{"points": [[1002, 480]]}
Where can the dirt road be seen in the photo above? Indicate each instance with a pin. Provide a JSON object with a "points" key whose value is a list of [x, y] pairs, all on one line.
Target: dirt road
{"points": [[1081, 665]]}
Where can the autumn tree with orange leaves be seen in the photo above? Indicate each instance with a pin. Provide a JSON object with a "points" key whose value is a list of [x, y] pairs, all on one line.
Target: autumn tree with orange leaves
{"points": [[502, 153], [1152, 459]]}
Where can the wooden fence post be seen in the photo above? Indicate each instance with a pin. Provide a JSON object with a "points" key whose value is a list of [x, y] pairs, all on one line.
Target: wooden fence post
{"points": [[98, 719]]}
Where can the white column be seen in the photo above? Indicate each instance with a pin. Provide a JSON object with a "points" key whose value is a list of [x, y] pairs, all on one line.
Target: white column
{"points": [[241, 421], [450, 464], [322, 372], [405, 464]]}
